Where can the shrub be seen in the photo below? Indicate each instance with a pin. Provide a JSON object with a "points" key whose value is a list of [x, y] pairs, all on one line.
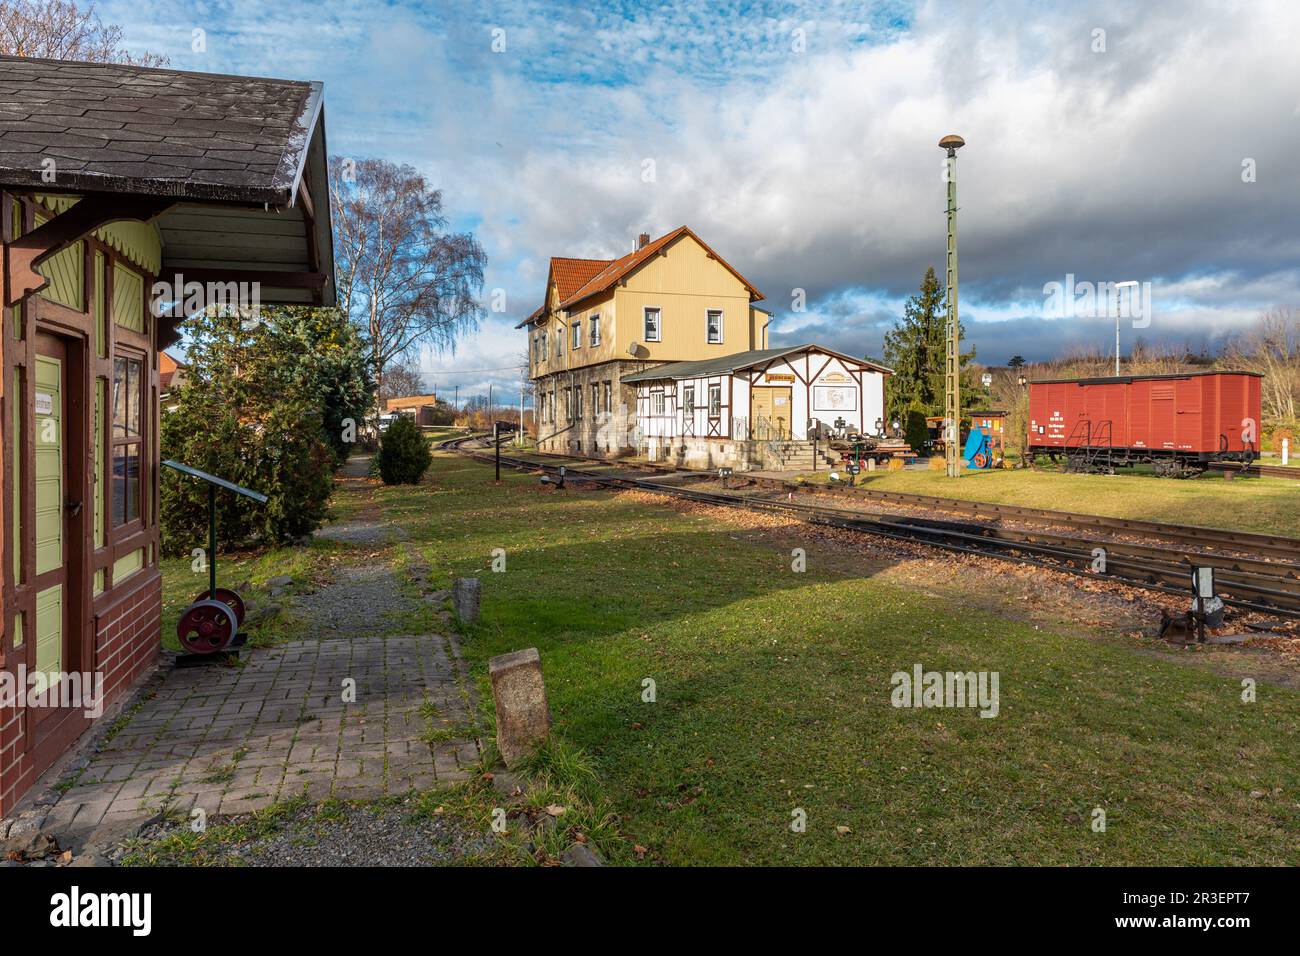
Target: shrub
{"points": [[253, 411], [404, 455]]}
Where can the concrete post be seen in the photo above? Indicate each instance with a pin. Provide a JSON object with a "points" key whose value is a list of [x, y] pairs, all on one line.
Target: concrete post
{"points": [[519, 693], [465, 599]]}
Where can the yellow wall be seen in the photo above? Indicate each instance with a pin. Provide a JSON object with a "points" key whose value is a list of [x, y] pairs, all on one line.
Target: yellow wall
{"points": [[684, 283]]}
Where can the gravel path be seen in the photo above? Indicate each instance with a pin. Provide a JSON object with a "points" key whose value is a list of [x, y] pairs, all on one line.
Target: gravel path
{"points": [[362, 601], [369, 835]]}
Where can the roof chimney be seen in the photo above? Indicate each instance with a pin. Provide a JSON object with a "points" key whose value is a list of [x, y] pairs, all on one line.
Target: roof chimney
{"points": [[643, 240]]}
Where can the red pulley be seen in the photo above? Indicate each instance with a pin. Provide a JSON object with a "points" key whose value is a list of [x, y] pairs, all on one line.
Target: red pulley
{"points": [[207, 626]]}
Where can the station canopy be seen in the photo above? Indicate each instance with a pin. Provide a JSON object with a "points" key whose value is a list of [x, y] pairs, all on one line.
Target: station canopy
{"points": [[231, 169]]}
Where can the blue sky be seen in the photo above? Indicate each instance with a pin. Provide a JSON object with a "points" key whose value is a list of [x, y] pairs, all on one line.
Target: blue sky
{"points": [[800, 141]]}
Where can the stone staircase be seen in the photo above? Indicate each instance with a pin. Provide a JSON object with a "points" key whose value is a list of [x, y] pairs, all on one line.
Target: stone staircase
{"points": [[796, 456]]}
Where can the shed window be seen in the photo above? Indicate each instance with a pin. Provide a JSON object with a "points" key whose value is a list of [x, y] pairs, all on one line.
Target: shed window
{"points": [[128, 441], [713, 326], [715, 401], [652, 325]]}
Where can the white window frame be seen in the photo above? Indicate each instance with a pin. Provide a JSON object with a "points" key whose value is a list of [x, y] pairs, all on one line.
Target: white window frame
{"points": [[688, 400], [593, 334], [658, 404], [577, 402], [609, 397], [659, 323], [708, 337], [568, 404], [715, 388], [577, 335]]}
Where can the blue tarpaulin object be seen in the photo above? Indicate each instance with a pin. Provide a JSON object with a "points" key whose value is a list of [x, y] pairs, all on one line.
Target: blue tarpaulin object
{"points": [[978, 444]]}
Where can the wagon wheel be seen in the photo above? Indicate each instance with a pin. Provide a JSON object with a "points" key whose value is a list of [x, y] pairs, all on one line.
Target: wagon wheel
{"points": [[226, 596], [206, 626], [980, 460]]}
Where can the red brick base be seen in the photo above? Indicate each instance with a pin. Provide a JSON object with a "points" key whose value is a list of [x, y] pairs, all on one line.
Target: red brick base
{"points": [[127, 640]]}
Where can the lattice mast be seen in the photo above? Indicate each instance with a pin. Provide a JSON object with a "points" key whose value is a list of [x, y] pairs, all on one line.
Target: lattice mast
{"points": [[952, 354]]}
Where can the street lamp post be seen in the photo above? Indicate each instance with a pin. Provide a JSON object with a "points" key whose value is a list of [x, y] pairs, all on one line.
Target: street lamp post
{"points": [[1119, 285]]}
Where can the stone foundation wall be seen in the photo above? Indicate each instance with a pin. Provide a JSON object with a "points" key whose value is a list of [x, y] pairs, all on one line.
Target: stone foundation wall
{"points": [[600, 434]]}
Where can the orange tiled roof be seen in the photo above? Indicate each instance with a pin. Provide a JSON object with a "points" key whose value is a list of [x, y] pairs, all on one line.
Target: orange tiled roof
{"points": [[619, 268], [578, 279]]}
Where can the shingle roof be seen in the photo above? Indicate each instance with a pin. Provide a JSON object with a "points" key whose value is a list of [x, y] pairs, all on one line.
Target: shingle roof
{"points": [[118, 128], [725, 364]]}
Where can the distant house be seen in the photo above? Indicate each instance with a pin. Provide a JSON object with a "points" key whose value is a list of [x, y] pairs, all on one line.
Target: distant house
{"points": [[172, 373], [419, 407]]}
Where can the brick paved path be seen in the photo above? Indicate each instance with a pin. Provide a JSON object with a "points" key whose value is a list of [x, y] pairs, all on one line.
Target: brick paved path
{"points": [[239, 738], [231, 740]]}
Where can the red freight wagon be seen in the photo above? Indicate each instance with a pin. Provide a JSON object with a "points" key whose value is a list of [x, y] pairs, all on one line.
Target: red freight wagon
{"points": [[1179, 423]]}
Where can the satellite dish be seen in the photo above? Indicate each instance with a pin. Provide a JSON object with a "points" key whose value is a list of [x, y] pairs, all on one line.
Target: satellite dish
{"points": [[634, 349]]}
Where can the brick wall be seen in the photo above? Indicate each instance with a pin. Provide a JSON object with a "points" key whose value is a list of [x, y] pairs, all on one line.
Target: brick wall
{"points": [[127, 641]]}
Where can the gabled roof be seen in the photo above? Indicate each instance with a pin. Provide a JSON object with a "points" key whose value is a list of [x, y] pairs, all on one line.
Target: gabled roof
{"points": [[619, 268], [584, 278], [725, 364], [132, 129]]}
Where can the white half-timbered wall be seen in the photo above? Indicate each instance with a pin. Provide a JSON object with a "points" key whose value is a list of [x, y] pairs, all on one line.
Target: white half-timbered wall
{"points": [[822, 386]]}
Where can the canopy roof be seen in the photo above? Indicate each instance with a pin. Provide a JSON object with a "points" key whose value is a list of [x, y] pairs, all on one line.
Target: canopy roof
{"points": [[232, 170]]}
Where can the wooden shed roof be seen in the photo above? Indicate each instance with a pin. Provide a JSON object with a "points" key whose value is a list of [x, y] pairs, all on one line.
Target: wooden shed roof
{"points": [[238, 165]]}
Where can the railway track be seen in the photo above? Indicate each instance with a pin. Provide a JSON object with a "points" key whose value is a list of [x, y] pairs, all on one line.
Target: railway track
{"points": [[1258, 469], [1250, 583]]}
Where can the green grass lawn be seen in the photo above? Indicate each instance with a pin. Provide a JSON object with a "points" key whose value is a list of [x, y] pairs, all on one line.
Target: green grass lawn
{"points": [[1269, 505], [772, 694]]}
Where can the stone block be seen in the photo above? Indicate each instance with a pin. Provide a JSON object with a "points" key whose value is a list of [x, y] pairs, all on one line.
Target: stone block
{"points": [[519, 692], [465, 599]]}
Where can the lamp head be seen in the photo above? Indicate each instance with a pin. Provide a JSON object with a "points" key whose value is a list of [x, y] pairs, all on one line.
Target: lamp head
{"points": [[952, 142]]}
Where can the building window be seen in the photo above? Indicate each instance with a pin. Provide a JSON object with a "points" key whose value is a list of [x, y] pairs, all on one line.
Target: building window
{"points": [[577, 334], [541, 351], [688, 400], [609, 407], [577, 401], [595, 399], [657, 401], [128, 441], [713, 326], [715, 401], [594, 332], [559, 341], [652, 325], [568, 404]]}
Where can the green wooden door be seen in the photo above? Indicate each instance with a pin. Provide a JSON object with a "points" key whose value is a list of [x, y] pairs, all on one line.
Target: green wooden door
{"points": [[48, 460]]}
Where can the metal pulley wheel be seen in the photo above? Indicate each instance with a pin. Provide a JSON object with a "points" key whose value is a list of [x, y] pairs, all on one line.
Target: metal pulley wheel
{"points": [[207, 626]]}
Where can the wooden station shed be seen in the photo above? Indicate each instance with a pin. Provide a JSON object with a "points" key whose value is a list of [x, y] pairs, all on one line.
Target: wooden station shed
{"points": [[113, 180]]}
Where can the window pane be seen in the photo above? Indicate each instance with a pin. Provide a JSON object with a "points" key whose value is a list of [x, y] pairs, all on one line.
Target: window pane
{"points": [[127, 376], [119, 397], [126, 483]]}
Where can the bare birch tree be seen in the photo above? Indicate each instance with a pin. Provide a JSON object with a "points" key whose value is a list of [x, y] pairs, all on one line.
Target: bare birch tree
{"points": [[404, 280]]}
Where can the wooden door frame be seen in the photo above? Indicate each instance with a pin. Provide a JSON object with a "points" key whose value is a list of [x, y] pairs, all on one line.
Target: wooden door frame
{"points": [[56, 734]]}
